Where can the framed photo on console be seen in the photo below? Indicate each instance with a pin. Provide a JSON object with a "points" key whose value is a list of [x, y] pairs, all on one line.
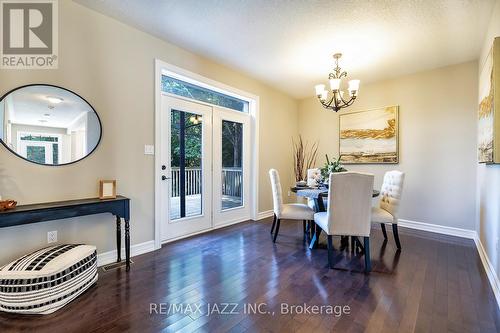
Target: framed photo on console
{"points": [[107, 189]]}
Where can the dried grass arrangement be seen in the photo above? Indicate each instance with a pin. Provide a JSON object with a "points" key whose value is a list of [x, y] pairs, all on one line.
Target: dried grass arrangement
{"points": [[304, 157]]}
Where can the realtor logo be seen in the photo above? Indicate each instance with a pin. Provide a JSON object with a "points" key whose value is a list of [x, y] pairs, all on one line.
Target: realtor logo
{"points": [[29, 34]]}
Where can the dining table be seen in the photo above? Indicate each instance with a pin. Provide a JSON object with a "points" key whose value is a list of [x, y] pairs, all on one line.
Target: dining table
{"points": [[318, 194]]}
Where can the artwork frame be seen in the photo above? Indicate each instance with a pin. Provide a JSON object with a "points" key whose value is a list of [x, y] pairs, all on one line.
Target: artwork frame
{"points": [[488, 137], [360, 144], [107, 189]]}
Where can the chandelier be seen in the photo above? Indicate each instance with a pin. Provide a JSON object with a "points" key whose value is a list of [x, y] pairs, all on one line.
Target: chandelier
{"points": [[336, 101]]}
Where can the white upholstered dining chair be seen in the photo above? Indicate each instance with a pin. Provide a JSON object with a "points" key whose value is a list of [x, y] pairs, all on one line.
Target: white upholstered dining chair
{"points": [[390, 197], [349, 211], [295, 211]]}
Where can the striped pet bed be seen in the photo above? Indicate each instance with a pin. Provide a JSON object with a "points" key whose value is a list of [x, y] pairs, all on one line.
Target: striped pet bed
{"points": [[46, 280]]}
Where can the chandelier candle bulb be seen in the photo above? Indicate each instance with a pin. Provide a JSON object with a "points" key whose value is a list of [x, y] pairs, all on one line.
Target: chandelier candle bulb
{"points": [[319, 89], [353, 86], [324, 95], [335, 84]]}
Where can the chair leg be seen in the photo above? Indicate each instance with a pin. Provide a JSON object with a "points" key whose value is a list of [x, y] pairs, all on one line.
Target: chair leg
{"points": [[368, 264], [344, 243], [330, 252], [274, 224], [383, 230], [304, 226], [277, 230], [315, 238], [312, 228], [396, 235]]}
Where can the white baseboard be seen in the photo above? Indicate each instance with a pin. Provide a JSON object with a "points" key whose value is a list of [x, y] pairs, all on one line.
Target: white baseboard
{"points": [[106, 258], [439, 229], [464, 233], [265, 214], [488, 267]]}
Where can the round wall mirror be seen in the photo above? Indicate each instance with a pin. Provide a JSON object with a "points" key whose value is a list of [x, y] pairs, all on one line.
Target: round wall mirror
{"points": [[48, 125]]}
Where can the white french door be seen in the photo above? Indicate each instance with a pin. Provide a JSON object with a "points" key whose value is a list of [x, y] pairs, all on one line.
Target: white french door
{"points": [[186, 163], [231, 172], [205, 167]]}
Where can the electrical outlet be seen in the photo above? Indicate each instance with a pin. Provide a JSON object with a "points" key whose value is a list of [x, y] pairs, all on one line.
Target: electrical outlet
{"points": [[52, 237]]}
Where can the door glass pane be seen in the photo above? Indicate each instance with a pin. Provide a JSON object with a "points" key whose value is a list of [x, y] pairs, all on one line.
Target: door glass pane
{"points": [[186, 155], [232, 171], [181, 88], [36, 154]]}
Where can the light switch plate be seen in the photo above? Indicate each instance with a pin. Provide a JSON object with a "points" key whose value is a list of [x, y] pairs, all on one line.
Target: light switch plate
{"points": [[149, 150]]}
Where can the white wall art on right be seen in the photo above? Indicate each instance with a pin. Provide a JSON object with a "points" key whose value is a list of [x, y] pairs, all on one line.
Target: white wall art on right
{"points": [[488, 121]]}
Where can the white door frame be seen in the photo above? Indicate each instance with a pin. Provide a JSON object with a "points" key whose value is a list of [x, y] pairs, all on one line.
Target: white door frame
{"points": [[161, 68]]}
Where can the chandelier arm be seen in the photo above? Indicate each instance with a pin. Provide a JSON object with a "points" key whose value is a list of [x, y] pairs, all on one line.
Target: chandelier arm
{"points": [[323, 103], [351, 101], [327, 104], [336, 101], [343, 100]]}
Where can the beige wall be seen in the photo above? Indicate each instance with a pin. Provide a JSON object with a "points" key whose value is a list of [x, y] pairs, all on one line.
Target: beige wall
{"points": [[437, 117], [112, 66], [488, 176]]}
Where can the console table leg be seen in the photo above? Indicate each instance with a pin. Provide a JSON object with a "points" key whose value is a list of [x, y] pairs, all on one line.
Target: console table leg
{"points": [[118, 239], [127, 243]]}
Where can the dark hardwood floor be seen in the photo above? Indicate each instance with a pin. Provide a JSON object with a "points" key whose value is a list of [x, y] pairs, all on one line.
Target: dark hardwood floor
{"points": [[435, 284]]}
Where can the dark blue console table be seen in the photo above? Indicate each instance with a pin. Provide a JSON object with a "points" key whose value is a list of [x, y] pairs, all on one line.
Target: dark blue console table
{"points": [[36, 213]]}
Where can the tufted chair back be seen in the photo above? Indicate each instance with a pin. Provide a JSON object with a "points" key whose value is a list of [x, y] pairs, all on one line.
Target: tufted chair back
{"points": [[350, 203], [277, 193], [312, 175], [390, 194]]}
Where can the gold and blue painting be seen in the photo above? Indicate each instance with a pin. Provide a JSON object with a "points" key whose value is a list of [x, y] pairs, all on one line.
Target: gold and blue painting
{"points": [[370, 137]]}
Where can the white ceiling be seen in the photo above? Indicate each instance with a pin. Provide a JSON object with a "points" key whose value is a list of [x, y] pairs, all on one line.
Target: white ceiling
{"points": [[30, 106], [289, 44]]}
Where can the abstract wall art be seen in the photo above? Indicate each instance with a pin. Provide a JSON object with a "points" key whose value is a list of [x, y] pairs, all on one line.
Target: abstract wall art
{"points": [[488, 144], [370, 137]]}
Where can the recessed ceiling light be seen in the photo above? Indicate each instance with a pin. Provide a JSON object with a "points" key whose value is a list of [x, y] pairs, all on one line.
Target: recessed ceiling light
{"points": [[50, 107], [55, 100], [46, 114], [42, 120]]}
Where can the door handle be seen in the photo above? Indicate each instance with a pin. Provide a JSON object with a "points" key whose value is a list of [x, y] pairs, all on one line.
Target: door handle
{"points": [[164, 177]]}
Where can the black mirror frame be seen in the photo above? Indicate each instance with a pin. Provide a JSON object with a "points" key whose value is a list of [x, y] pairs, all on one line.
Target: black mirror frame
{"points": [[54, 86]]}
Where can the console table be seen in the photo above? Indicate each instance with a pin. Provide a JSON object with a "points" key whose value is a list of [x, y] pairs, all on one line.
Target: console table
{"points": [[36, 213]]}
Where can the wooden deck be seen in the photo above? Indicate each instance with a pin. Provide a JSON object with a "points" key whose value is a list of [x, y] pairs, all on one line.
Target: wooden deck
{"points": [[434, 284], [193, 205]]}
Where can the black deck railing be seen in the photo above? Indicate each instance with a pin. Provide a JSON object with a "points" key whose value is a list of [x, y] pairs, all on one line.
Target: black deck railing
{"points": [[232, 181]]}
